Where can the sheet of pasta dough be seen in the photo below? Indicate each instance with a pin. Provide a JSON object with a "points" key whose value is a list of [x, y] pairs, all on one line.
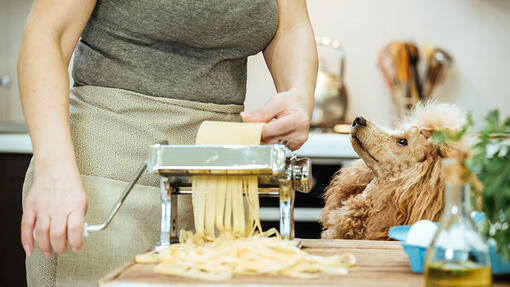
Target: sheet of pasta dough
{"points": [[229, 133], [218, 200]]}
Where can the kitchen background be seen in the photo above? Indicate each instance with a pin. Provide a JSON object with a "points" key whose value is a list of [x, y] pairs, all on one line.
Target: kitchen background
{"points": [[476, 33]]}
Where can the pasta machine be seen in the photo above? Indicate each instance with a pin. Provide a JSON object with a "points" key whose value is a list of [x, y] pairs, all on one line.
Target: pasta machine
{"points": [[280, 174]]}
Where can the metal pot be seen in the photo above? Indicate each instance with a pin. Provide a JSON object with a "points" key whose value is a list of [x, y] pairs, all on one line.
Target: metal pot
{"points": [[331, 95]]}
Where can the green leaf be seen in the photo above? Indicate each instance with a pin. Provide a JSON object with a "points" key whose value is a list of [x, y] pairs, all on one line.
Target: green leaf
{"points": [[494, 172], [492, 121], [506, 124], [440, 136]]}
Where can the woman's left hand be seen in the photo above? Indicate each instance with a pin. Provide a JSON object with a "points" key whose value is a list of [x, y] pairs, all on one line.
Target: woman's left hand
{"points": [[291, 112]]}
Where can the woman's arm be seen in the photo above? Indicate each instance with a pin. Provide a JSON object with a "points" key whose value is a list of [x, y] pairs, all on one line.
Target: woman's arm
{"points": [[292, 60], [56, 202]]}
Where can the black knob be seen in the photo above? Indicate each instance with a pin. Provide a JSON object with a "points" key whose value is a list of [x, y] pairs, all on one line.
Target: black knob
{"points": [[359, 121]]}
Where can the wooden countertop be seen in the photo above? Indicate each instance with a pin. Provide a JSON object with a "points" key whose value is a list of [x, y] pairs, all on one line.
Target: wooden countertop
{"points": [[379, 263]]}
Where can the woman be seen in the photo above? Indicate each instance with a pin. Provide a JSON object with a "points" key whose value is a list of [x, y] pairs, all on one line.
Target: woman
{"points": [[143, 71]]}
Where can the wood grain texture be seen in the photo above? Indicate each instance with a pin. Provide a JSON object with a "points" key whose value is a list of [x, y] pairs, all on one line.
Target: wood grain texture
{"points": [[379, 263]]}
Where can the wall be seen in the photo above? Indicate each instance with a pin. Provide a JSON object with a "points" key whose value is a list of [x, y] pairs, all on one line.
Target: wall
{"points": [[12, 20], [475, 32]]}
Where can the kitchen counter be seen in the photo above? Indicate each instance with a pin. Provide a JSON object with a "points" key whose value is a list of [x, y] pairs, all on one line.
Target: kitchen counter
{"points": [[328, 146], [15, 143], [378, 263], [319, 146], [14, 139]]}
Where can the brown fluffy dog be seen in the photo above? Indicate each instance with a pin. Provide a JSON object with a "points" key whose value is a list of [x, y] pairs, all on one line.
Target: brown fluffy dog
{"points": [[398, 179]]}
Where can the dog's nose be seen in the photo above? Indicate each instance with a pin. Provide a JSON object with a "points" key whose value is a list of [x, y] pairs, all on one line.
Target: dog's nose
{"points": [[359, 121]]}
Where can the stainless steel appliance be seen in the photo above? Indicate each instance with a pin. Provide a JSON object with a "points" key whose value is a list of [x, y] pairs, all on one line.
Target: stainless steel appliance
{"points": [[331, 97], [280, 174]]}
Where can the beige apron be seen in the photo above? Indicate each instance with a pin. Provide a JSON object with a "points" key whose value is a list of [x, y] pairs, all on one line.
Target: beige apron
{"points": [[112, 130]]}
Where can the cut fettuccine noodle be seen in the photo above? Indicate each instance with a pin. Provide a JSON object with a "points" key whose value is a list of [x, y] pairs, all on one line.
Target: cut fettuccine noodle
{"points": [[227, 241], [261, 254]]}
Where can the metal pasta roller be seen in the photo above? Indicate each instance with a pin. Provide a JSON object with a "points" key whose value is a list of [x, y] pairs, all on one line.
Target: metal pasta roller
{"points": [[280, 174]]}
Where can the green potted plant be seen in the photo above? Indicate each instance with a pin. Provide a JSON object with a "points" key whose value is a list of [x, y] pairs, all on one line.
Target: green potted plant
{"points": [[489, 162]]}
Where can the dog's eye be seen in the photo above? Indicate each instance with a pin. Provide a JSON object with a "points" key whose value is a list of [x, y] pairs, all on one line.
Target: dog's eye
{"points": [[402, 142]]}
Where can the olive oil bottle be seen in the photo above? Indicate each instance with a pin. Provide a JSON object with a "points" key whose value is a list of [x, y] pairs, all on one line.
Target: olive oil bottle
{"points": [[458, 254], [458, 274]]}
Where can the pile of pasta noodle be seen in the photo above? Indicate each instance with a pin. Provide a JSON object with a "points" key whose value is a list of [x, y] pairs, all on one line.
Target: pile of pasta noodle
{"points": [[228, 238]]}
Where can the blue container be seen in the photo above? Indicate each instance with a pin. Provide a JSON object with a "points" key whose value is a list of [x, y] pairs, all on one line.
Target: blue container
{"points": [[498, 265], [417, 254]]}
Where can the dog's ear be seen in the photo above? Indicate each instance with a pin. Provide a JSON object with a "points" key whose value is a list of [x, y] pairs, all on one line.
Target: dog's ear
{"points": [[347, 181], [420, 192]]}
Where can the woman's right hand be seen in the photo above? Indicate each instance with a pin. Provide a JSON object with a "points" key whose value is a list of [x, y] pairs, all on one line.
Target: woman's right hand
{"points": [[56, 202], [54, 209]]}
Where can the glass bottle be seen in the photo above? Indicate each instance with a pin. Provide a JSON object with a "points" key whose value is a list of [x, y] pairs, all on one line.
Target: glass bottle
{"points": [[458, 254]]}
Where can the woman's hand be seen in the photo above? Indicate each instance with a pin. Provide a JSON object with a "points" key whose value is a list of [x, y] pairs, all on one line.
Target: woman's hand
{"points": [[54, 210], [291, 58], [56, 203], [291, 112]]}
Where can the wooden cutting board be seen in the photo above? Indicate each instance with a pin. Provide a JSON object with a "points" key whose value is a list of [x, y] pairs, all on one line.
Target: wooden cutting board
{"points": [[379, 263]]}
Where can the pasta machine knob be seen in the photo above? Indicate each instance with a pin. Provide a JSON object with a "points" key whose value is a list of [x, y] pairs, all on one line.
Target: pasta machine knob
{"points": [[301, 177]]}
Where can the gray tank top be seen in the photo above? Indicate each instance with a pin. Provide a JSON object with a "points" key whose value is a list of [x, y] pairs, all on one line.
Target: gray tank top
{"points": [[184, 49]]}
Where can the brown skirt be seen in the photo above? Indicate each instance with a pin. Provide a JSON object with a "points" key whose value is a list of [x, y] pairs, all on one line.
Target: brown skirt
{"points": [[111, 131]]}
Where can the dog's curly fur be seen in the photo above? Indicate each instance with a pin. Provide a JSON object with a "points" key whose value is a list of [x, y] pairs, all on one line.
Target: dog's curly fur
{"points": [[395, 182]]}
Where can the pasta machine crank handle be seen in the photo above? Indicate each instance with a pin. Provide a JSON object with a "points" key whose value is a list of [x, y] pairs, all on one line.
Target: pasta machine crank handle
{"points": [[98, 227]]}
